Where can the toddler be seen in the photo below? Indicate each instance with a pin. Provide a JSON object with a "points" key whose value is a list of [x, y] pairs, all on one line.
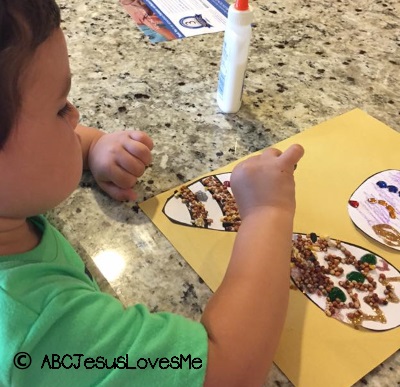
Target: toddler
{"points": [[56, 326]]}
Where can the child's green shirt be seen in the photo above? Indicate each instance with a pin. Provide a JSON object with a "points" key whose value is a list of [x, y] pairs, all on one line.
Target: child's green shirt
{"points": [[51, 310]]}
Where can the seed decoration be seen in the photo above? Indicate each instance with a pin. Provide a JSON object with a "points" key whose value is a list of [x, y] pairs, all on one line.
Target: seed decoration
{"points": [[198, 213], [342, 293], [231, 220], [220, 193]]}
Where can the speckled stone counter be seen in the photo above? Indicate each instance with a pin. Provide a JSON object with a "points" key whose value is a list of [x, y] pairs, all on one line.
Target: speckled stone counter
{"points": [[310, 61]]}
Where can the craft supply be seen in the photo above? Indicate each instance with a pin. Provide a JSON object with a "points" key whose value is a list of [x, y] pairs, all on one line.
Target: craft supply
{"points": [[391, 188], [234, 56], [392, 212], [374, 207], [209, 202], [345, 281], [388, 233], [309, 336]]}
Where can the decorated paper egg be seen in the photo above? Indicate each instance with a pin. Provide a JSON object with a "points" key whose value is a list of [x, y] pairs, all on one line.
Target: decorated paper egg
{"points": [[374, 207], [206, 203], [347, 282]]}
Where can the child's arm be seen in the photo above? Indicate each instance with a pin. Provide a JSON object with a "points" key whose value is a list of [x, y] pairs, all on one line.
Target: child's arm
{"points": [[245, 316], [116, 160]]}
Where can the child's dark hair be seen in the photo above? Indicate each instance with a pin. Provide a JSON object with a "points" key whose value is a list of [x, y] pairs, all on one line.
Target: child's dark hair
{"points": [[24, 25]]}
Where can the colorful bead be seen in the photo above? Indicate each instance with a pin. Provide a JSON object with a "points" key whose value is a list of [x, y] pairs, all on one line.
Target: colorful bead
{"points": [[354, 203], [355, 276], [337, 293], [381, 184], [391, 188], [369, 258], [392, 211]]}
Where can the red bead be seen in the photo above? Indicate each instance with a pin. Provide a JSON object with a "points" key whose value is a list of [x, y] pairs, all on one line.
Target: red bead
{"points": [[227, 183], [354, 203]]}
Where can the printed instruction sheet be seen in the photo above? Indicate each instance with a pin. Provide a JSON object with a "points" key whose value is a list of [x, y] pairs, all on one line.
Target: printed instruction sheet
{"points": [[163, 20]]}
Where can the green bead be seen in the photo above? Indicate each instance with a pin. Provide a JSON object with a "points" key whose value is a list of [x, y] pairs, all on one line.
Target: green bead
{"points": [[337, 293], [369, 258], [355, 276]]}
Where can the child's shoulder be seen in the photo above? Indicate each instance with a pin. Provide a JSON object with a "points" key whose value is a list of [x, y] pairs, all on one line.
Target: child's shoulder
{"points": [[53, 249]]}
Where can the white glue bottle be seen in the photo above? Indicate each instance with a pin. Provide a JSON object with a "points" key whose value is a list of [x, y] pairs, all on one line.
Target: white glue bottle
{"points": [[235, 52]]}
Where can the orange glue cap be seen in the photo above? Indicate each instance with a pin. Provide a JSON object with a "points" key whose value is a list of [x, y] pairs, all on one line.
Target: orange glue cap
{"points": [[242, 5]]}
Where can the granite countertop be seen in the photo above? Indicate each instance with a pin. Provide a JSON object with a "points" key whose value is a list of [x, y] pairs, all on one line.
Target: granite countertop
{"points": [[310, 61]]}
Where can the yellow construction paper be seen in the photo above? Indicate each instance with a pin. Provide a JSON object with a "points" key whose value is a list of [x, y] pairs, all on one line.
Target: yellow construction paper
{"points": [[339, 155]]}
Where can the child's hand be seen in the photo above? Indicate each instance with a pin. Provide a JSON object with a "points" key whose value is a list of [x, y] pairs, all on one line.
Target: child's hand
{"points": [[266, 180], [118, 159]]}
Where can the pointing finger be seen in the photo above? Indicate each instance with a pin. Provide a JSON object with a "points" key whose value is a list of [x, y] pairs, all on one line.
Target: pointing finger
{"points": [[291, 156]]}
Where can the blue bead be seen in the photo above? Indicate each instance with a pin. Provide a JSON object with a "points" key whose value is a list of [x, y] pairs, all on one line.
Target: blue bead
{"points": [[381, 184], [392, 188]]}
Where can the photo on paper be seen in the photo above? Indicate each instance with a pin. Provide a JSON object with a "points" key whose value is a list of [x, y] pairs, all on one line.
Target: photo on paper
{"points": [[164, 20]]}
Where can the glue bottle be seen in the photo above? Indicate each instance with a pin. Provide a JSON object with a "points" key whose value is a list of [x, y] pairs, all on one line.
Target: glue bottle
{"points": [[235, 52]]}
